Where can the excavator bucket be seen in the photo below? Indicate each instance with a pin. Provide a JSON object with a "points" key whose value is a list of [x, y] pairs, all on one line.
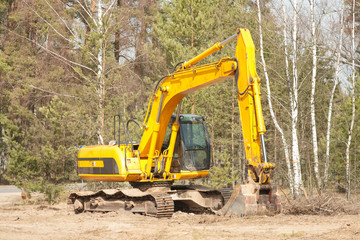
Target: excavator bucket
{"points": [[235, 204], [252, 199]]}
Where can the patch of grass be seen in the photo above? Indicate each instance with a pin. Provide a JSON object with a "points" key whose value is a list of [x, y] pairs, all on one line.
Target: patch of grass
{"points": [[292, 235], [198, 234]]}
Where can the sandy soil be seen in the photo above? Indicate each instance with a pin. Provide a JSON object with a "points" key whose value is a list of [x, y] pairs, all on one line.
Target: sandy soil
{"points": [[41, 221]]}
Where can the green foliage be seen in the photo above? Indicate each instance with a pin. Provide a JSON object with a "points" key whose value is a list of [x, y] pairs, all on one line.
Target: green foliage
{"points": [[52, 191], [45, 158], [3, 11], [220, 175], [185, 28], [4, 66]]}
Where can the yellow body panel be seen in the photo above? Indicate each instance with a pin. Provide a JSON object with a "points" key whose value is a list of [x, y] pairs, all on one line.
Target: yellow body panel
{"points": [[102, 163], [97, 158]]}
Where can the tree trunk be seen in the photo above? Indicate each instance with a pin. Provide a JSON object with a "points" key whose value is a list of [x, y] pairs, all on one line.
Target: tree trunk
{"points": [[100, 75], [312, 99], [295, 110], [286, 54], [12, 6], [93, 5], [117, 46], [117, 40], [352, 102], [139, 62], [327, 154]]}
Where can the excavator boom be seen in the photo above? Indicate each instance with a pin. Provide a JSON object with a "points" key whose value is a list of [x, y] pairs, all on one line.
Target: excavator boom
{"points": [[189, 79]]}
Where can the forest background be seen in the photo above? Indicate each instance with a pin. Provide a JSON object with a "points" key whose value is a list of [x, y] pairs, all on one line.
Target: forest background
{"points": [[67, 67]]}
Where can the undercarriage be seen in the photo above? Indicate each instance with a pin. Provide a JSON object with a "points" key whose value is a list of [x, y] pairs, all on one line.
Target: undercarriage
{"points": [[162, 201]]}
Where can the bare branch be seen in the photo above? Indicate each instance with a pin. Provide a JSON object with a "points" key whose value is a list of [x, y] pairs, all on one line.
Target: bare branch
{"points": [[110, 7], [63, 59], [50, 25], [68, 28], [53, 93], [88, 13]]}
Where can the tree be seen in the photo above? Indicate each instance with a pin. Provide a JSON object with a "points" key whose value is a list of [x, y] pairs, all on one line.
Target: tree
{"points": [[348, 144], [294, 103], [336, 82], [312, 99]]}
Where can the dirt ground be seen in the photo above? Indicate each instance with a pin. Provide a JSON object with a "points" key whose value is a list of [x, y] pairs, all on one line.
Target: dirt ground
{"points": [[42, 221]]}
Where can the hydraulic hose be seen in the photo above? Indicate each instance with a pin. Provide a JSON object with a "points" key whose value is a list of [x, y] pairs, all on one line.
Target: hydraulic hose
{"points": [[237, 79]]}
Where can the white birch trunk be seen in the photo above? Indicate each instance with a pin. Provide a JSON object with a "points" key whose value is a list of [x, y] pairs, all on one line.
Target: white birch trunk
{"points": [[289, 166], [294, 110], [327, 154], [352, 102], [101, 88], [312, 99], [273, 117]]}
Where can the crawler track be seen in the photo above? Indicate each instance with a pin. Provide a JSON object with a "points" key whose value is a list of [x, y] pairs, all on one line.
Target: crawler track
{"points": [[161, 202], [164, 206], [151, 204]]}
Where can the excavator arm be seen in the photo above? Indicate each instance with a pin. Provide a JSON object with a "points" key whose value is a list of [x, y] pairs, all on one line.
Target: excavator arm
{"points": [[189, 78]]}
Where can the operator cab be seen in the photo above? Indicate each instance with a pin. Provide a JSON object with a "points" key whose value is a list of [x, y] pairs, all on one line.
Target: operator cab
{"points": [[192, 146]]}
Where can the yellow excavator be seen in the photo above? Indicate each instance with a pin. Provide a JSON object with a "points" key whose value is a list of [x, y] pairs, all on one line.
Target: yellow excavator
{"points": [[176, 147]]}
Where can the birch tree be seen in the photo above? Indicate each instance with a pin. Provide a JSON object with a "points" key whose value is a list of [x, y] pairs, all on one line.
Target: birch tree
{"points": [[100, 66], [273, 117], [348, 144], [336, 82], [100, 16], [312, 99], [294, 107]]}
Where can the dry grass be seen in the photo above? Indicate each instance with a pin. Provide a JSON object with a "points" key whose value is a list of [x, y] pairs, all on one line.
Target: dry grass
{"points": [[324, 204]]}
